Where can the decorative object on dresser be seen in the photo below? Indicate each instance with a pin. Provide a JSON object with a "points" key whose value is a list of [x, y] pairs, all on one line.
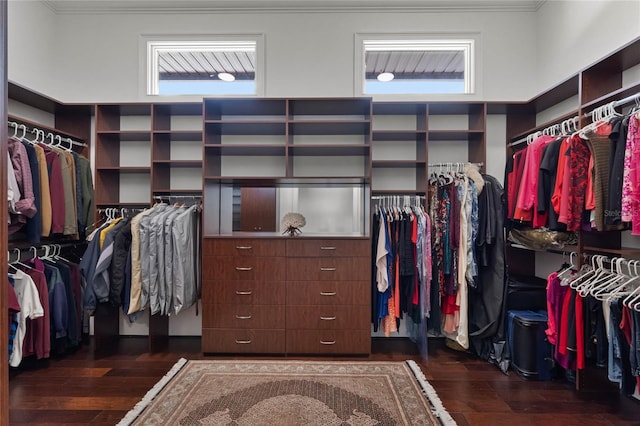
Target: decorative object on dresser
{"points": [[291, 224], [291, 392]]}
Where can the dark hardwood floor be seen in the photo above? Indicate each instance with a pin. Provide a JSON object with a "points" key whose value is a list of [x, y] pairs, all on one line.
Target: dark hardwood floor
{"points": [[82, 389]]}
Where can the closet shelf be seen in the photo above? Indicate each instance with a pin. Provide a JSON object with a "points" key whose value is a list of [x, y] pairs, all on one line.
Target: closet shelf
{"points": [[558, 120], [178, 135], [329, 127], [398, 135], [179, 163], [615, 95], [128, 135], [329, 149], [630, 252], [269, 181], [33, 124], [453, 135], [237, 127], [245, 149], [126, 204], [169, 191], [397, 164], [125, 169], [396, 192]]}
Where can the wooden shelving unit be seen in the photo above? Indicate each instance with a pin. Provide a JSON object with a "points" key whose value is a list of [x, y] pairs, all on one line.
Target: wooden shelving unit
{"points": [[593, 86]]}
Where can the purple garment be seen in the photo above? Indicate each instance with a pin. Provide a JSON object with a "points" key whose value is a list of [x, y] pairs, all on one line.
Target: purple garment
{"points": [[555, 296]]}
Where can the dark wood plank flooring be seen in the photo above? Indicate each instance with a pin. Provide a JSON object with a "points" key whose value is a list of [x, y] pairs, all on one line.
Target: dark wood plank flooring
{"points": [[82, 389]]}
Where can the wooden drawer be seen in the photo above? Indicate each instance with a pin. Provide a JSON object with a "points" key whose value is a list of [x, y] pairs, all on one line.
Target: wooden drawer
{"points": [[328, 293], [243, 268], [328, 248], [243, 292], [215, 340], [328, 342], [243, 316], [243, 247], [328, 269], [340, 317]]}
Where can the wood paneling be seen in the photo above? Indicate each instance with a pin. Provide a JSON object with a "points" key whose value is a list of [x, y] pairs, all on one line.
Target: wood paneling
{"points": [[243, 247], [339, 317], [328, 292], [237, 341], [243, 316], [328, 342], [243, 268], [258, 210], [328, 269], [244, 292], [328, 248], [474, 392]]}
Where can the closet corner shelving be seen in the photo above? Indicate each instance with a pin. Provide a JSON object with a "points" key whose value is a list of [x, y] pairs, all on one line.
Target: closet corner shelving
{"points": [[144, 150], [407, 136], [612, 78]]}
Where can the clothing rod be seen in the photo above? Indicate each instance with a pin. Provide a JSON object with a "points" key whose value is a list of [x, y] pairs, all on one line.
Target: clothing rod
{"points": [[179, 197], [624, 101], [620, 102], [526, 139], [453, 164], [17, 125]]}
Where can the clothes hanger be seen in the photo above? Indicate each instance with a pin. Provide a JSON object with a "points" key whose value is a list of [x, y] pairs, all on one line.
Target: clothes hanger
{"points": [[15, 128], [619, 290], [586, 273], [584, 288], [613, 282]]}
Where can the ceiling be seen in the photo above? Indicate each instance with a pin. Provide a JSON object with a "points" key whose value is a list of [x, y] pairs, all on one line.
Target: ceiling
{"points": [[159, 6]]}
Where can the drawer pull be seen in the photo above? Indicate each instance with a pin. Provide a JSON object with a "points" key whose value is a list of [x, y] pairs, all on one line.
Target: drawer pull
{"points": [[243, 247], [239, 268], [328, 318], [328, 293], [243, 317], [328, 248], [328, 269], [244, 293], [243, 342], [327, 342]]}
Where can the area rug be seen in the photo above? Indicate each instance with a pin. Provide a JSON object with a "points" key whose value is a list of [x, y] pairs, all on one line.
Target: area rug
{"points": [[291, 393]]}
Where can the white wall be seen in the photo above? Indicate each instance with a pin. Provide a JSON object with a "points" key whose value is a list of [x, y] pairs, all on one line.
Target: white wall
{"points": [[307, 54], [571, 35], [31, 45]]}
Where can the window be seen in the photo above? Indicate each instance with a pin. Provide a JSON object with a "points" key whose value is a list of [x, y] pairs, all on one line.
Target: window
{"points": [[417, 66], [227, 67]]}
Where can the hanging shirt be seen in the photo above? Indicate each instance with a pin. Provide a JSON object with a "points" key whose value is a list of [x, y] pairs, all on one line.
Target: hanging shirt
{"points": [[45, 192], [30, 308], [631, 176], [528, 190]]}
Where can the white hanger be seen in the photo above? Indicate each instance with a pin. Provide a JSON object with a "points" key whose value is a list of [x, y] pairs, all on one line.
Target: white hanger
{"points": [[585, 273], [15, 128], [604, 275], [612, 282], [621, 289]]}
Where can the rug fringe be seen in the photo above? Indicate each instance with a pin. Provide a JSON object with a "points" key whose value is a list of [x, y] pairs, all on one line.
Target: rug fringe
{"points": [[439, 410], [151, 394]]}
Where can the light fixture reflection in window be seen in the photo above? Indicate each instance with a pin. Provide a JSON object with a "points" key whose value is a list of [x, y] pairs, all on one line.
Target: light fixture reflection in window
{"points": [[225, 76], [385, 76]]}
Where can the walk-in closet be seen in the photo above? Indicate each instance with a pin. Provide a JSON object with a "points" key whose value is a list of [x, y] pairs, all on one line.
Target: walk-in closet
{"points": [[260, 201]]}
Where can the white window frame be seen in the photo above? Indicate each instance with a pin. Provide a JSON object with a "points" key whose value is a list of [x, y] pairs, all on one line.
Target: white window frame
{"points": [[467, 43], [153, 45]]}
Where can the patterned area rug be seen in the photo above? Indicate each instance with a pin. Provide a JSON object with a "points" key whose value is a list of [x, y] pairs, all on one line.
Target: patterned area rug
{"points": [[291, 393]]}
